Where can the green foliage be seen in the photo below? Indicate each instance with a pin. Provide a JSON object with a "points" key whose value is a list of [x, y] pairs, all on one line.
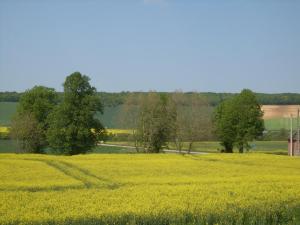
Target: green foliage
{"points": [[250, 123], [73, 126], [30, 124], [28, 132], [115, 99], [238, 121], [155, 120], [225, 130], [39, 101]]}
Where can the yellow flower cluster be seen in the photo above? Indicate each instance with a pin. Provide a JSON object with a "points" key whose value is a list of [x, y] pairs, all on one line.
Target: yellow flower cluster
{"points": [[149, 189], [4, 130]]}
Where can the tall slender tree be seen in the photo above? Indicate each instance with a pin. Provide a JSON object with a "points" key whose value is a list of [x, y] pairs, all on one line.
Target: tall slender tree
{"points": [[193, 120], [154, 125], [73, 126]]}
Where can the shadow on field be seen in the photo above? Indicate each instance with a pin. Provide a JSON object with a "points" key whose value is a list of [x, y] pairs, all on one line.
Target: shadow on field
{"points": [[297, 215], [165, 218], [43, 189]]}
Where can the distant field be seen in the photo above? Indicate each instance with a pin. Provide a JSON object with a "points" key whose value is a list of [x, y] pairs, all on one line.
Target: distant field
{"points": [[275, 115], [280, 123], [149, 189], [278, 116], [7, 110], [109, 118], [279, 111]]}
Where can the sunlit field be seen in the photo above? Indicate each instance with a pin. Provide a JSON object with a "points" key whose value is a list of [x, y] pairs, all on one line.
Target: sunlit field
{"points": [[149, 189]]}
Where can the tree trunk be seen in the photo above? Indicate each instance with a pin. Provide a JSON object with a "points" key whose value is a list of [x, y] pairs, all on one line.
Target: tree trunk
{"points": [[136, 145], [241, 149], [190, 147], [228, 148], [178, 145]]}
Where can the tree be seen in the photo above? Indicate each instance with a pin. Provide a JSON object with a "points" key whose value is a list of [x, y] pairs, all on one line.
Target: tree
{"points": [[28, 133], [192, 122], [224, 117], [129, 116], [238, 121], [39, 101], [250, 119], [30, 124], [158, 119], [73, 126], [154, 124]]}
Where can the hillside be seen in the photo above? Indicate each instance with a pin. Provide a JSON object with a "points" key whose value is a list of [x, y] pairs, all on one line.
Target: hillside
{"points": [[7, 110], [114, 99], [276, 116], [280, 111], [109, 117]]}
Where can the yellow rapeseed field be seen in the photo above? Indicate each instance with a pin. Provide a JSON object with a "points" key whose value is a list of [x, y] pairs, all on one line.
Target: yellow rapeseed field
{"points": [[149, 189], [4, 129]]}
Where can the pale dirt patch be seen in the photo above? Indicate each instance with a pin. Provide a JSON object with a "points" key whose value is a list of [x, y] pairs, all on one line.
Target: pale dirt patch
{"points": [[279, 111]]}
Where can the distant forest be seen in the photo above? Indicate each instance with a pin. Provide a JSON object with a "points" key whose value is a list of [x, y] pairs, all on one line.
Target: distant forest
{"points": [[115, 99]]}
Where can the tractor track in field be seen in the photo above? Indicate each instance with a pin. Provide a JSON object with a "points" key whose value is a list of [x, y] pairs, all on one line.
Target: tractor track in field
{"points": [[88, 179]]}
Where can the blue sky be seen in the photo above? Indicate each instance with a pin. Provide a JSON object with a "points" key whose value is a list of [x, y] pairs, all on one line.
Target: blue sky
{"points": [[164, 45]]}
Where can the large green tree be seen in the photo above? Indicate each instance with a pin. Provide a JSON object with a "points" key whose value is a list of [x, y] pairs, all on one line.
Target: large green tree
{"points": [[73, 126], [30, 123], [238, 121], [39, 101]]}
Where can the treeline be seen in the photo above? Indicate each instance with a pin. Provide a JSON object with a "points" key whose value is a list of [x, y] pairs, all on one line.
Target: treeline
{"points": [[66, 123], [66, 126], [214, 99], [158, 119]]}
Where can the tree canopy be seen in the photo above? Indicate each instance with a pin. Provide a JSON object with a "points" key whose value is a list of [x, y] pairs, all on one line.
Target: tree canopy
{"points": [[73, 126], [214, 99], [154, 122], [238, 121], [30, 124]]}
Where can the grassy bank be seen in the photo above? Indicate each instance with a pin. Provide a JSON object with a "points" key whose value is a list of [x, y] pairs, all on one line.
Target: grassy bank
{"points": [[272, 147]]}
